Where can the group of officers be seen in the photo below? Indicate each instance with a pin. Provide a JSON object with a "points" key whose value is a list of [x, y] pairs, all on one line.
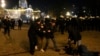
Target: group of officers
{"points": [[38, 31]]}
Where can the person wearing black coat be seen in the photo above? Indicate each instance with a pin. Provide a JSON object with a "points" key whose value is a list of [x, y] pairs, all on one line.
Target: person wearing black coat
{"points": [[74, 35], [74, 32], [74, 38], [6, 25], [41, 34], [20, 22], [12, 24], [32, 38], [50, 35]]}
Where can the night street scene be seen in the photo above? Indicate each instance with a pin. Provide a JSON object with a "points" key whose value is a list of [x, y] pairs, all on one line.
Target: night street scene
{"points": [[49, 27]]}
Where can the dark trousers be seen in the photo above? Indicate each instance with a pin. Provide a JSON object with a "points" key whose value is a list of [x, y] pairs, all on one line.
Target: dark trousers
{"points": [[62, 28], [32, 46], [50, 36], [7, 31], [33, 43]]}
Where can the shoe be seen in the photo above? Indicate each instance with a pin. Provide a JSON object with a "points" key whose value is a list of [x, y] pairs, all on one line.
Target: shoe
{"points": [[42, 50], [36, 48]]}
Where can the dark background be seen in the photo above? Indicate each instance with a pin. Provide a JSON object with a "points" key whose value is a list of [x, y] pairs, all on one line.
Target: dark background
{"points": [[55, 3], [58, 5]]}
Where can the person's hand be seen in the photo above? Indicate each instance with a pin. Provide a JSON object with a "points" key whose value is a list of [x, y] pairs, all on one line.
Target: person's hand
{"points": [[49, 30]]}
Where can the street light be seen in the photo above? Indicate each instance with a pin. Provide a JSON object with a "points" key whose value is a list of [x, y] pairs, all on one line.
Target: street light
{"points": [[68, 14], [48, 16], [3, 3]]}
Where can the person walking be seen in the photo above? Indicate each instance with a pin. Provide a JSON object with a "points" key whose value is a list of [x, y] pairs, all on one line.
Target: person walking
{"points": [[32, 38], [7, 25], [40, 31], [13, 24], [74, 38], [50, 35], [62, 24], [20, 24]]}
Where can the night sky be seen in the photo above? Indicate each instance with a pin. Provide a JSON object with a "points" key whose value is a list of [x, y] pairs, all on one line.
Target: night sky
{"points": [[57, 4]]}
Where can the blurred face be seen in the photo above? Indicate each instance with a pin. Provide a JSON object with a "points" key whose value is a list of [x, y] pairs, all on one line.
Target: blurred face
{"points": [[38, 22]]}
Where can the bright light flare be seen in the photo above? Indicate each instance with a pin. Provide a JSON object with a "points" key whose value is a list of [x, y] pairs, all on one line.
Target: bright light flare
{"points": [[48, 16], [68, 14], [36, 17], [33, 18], [61, 16], [3, 3]]}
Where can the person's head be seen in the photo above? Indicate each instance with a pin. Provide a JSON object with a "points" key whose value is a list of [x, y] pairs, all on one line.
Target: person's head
{"points": [[42, 26]]}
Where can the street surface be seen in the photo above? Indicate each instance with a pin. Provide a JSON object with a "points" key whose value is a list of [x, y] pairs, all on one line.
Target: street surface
{"points": [[19, 45]]}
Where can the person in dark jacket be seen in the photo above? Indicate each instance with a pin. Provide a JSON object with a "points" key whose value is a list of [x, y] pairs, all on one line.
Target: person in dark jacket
{"points": [[62, 24], [40, 34], [7, 25], [12, 24], [74, 32], [32, 38], [20, 22], [50, 35], [74, 35], [74, 38]]}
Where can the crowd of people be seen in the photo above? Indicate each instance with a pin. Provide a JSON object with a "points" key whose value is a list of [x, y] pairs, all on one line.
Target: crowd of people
{"points": [[46, 28], [40, 29], [7, 24]]}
